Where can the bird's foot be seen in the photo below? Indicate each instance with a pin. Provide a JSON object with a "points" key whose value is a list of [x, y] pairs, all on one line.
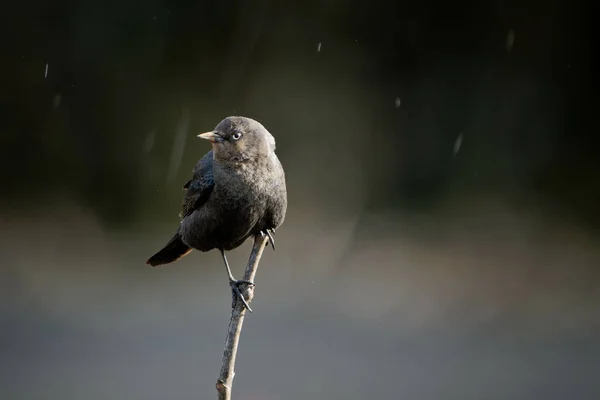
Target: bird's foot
{"points": [[237, 293], [270, 233]]}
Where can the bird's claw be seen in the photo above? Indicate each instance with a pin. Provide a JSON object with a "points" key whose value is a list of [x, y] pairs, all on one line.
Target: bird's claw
{"points": [[270, 233], [236, 292]]}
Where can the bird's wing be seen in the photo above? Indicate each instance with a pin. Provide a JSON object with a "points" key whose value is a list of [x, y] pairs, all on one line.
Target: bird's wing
{"points": [[199, 188]]}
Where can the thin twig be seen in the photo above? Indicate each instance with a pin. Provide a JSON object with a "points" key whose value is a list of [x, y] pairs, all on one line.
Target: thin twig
{"points": [[238, 312]]}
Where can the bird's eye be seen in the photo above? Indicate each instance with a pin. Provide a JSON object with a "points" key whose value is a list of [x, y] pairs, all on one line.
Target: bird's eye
{"points": [[236, 136]]}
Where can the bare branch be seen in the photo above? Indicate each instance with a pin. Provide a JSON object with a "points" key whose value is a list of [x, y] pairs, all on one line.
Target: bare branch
{"points": [[238, 312]]}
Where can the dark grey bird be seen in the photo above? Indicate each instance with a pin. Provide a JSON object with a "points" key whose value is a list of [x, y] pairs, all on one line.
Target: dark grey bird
{"points": [[237, 191]]}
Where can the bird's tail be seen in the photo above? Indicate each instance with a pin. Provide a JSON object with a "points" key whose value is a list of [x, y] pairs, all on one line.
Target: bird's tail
{"points": [[173, 250]]}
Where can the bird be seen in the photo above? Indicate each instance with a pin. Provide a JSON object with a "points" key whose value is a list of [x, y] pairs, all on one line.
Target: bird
{"points": [[237, 190]]}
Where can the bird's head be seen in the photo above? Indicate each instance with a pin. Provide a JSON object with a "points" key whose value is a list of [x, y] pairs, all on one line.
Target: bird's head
{"points": [[240, 139]]}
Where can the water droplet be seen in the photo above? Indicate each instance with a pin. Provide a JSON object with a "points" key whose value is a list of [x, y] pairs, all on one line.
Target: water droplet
{"points": [[56, 101], [149, 142], [457, 143], [510, 40]]}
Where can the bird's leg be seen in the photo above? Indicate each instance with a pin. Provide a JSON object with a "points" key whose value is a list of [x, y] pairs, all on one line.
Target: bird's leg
{"points": [[231, 278], [235, 290], [270, 233]]}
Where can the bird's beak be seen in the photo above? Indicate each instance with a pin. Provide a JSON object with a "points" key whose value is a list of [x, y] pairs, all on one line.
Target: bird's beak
{"points": [[212, 136]]}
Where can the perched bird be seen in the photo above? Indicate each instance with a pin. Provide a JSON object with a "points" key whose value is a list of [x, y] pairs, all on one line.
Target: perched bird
{"points": [[237, 191]]}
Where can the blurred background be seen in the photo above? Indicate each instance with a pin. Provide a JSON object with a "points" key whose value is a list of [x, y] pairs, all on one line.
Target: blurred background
{"points": [[442, 236]]}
